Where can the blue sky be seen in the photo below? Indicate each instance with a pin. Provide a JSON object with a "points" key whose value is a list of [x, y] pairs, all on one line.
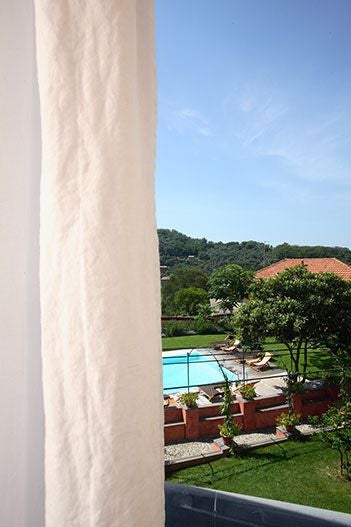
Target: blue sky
{"points": [[254, 119]]}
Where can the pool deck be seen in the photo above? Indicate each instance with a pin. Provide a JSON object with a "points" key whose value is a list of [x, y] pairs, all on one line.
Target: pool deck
{"points": [[270, 379]]}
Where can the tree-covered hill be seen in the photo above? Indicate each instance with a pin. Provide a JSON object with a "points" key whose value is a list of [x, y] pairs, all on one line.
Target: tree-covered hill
{"points": [[179, 250]]}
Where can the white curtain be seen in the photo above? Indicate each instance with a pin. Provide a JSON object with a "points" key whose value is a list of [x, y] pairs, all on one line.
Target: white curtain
{"points": [[99, 276]]}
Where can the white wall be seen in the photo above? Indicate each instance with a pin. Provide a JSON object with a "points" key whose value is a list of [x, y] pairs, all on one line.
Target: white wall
{"points": [[21, 413]]}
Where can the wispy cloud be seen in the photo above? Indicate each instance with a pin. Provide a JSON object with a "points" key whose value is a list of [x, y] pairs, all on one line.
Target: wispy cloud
{"points": [[189, 120], [313, 142], [313, 151], [252, 116]]}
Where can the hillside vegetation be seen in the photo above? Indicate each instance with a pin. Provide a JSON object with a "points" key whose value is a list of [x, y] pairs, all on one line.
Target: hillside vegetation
{"points": [[179, 250]]}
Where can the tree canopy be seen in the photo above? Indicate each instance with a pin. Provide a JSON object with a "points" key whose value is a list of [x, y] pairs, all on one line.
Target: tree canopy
{"points": [[229, 285], [190, 300], [179, 250], [183, 278], [300, 309]]}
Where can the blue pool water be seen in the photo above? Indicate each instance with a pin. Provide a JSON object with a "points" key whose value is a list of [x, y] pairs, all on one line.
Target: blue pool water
{"points": [[203, 369]]}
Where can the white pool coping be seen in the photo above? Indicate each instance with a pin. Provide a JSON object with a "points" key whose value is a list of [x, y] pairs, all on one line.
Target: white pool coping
{"points": [[184, 352]]}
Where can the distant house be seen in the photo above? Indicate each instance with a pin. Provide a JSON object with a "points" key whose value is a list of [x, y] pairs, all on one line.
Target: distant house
{"points": [[163, 271], [315, 265], [218, 311]]}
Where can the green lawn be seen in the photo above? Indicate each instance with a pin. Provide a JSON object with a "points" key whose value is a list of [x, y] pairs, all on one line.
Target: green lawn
{"points": [[305, 473], [190, 341], [318, 359]]}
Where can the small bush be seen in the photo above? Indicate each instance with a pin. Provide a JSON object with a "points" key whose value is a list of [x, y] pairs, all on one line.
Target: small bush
{"points": [[225, 324], [294, 387], [331, 378], [205, 327], [175, 328]]}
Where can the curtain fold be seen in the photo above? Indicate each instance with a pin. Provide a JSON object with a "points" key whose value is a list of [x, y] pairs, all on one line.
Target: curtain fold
{"points": [[99, 275]]}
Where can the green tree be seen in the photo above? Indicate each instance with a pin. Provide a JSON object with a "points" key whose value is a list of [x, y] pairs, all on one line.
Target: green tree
{"points": [[335, 426], [175, 249], [189, 300], [301, 310], [229, 285], [182, 278]]}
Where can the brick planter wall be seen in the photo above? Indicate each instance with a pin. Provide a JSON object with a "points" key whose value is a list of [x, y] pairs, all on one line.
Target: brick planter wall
{"points": [[203, 421], [173, 414], [191, 418], [174, 432]]}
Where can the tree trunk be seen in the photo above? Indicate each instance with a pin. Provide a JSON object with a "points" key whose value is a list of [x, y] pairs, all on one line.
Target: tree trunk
{"points": [[304, 361]]}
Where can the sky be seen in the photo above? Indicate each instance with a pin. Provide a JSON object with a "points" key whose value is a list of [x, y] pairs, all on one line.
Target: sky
{"points": [[254, 120]]}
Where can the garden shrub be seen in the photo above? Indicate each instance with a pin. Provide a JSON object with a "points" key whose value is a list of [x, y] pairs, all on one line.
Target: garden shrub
{"points": [[225, 324], [205, 327], [175, 328]]}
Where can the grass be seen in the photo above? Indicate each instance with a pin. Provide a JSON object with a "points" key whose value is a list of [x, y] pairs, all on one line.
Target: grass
{"points": [[190, 341], [304, 473], [318, 359]]}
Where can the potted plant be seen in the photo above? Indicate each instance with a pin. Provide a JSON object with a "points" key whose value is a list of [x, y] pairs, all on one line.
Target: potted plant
{"points": [[289, 421], [293, 386], [248, 392], [189, 399], [228, 430]]}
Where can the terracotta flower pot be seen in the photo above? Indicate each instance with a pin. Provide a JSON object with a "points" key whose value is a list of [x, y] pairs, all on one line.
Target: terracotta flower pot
{"points": [[228, 441], [289, 428]]}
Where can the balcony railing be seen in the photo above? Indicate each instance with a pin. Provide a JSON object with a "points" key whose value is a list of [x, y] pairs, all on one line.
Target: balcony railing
{"points": [[195, 507]]}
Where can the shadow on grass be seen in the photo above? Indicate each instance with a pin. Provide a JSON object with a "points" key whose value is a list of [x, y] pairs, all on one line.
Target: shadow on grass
{"points": [[256, 459], [259, 460]]}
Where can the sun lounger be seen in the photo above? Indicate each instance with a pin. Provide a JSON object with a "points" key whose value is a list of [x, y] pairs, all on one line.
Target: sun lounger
{"points": [[233, 348], [211, 391], [230, 349], [264, 363], [253, 362]]}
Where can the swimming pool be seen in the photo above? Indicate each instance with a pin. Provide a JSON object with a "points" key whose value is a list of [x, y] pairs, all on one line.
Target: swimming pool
{"points": [[203, 369]]}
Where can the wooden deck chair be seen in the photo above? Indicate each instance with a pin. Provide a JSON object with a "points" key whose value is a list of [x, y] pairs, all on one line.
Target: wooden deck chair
{"points": [[229, 349], [253, 362], [233, 348], [211, 391], [264, 363]]}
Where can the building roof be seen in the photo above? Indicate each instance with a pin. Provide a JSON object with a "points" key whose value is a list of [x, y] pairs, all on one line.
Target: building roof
{"points": [[315, 265]]}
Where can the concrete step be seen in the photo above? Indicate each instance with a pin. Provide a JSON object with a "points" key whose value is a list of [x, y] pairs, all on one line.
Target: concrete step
{"points": [[270, 408], [175, 423], [216, 417]]}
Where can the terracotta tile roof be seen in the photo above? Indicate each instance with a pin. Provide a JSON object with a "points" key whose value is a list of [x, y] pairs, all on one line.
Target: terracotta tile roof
{"points": [[315, 265]]}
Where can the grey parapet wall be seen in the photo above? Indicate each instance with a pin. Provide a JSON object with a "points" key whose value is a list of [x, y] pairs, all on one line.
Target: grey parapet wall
{"points": [[196, 507]]}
